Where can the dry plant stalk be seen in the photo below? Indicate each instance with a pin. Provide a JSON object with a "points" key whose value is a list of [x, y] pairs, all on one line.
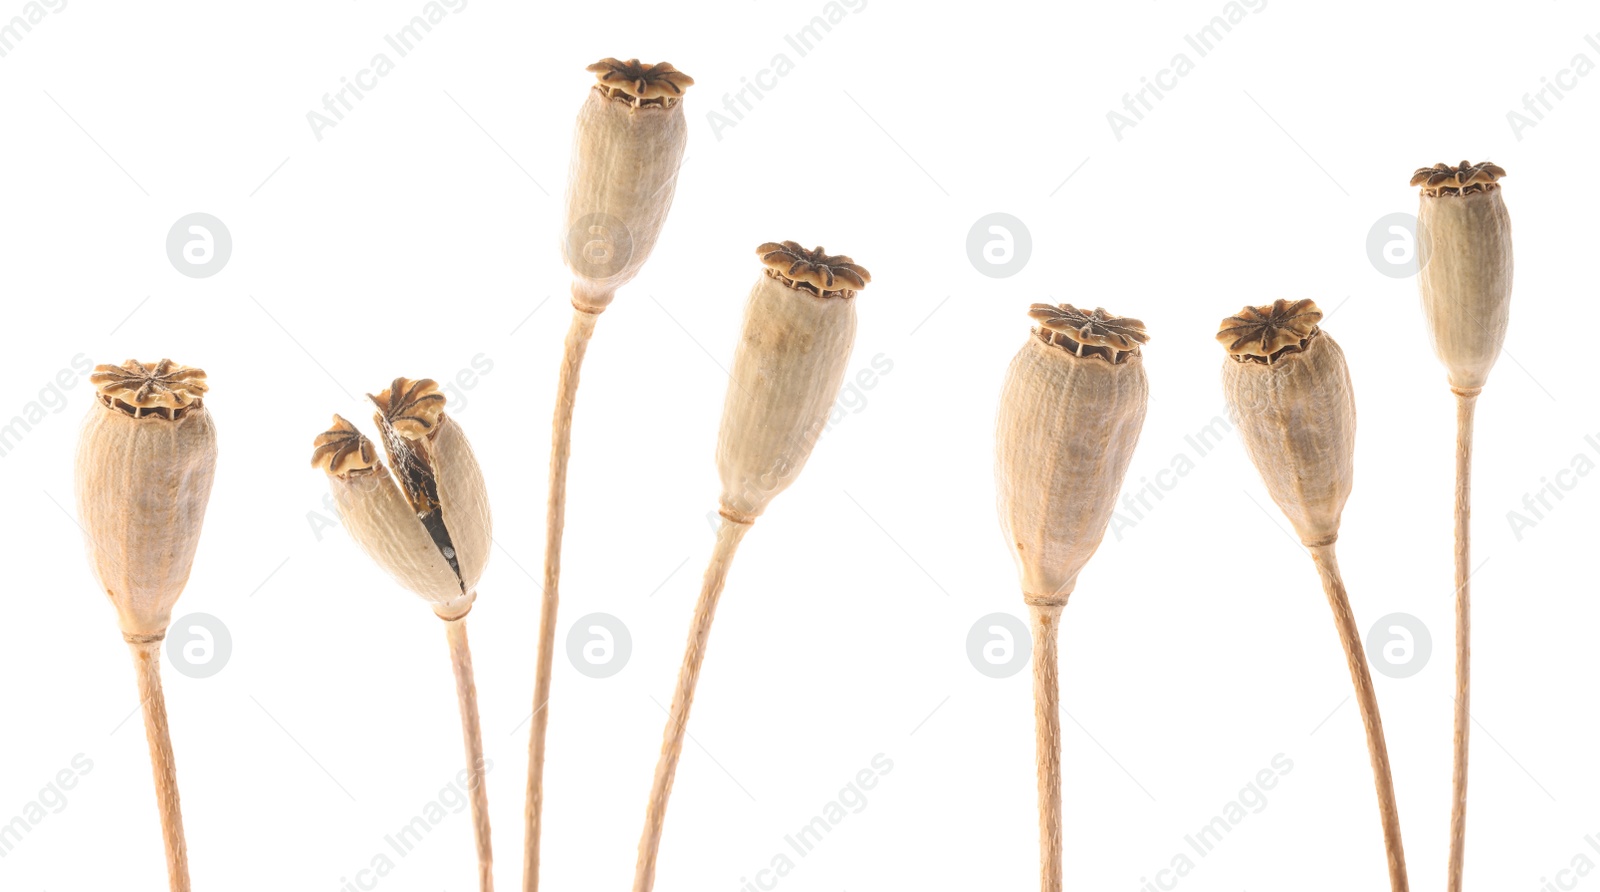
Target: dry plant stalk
{"points": [[1288, 389], [1464, 249], [799, 326], [428, 526], [1070, 414], [146, 459], [626, 152]]}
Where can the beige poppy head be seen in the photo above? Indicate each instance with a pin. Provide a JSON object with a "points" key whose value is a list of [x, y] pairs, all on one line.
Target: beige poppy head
{"points": [[627, 148], [799, 329], [1071, 410], [1288, 390], [1464, 267], [147, 455]]}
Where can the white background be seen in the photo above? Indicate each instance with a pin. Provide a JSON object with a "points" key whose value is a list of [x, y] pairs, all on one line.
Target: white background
{"points": [[421, 232]]}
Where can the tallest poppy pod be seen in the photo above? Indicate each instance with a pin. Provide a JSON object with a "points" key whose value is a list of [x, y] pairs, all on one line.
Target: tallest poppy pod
{"points": [[1464, 247], [626, 151]]}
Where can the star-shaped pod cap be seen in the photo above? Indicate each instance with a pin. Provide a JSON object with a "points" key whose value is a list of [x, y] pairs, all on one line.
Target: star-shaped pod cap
{"points": [[343, 451], [1462, 179], [639, 84], [1266, 334], [1099, 333], [816, 271], [162, 389]]}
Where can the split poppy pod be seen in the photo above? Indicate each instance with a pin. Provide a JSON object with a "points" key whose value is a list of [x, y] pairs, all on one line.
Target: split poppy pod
{"points": [[427, 525]]}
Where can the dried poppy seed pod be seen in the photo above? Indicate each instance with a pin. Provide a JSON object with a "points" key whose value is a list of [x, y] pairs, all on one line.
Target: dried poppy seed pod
{"points": [[625, 158], [1464, 233], [428, 523], [1289, 393], [146, 458], [626, 152], [428, 527], [1070, 413], [799, 326], [1288, 389], [1464, 248]]}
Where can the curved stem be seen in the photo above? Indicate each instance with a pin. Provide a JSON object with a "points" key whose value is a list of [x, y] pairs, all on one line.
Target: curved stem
{"points": [[467, 693], [728, 537], [147, 667], [555, 521], [1367, 698], [1046, 622], [1465, 404]]}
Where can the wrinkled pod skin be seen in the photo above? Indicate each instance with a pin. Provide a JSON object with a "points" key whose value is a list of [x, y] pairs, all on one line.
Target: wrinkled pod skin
{"points": [[1297, 420], [142, 488], [1058, 477], [1464, 249], [623, 174], [374, 510], [786, 375]]}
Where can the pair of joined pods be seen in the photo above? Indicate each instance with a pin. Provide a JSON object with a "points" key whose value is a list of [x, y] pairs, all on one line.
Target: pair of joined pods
{"points": [[1074, 402], [1070, 415]]}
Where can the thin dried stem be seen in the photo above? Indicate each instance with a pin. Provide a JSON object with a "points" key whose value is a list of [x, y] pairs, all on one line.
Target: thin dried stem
{"points": [[1466, 403], [1367, 698], [147, 667], [577, 344], [1046, 622], [472, 735], [728, 537]]}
